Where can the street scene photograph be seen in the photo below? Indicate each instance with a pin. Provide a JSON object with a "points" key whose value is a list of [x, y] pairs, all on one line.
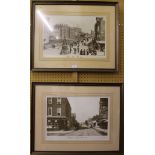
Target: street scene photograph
{"points": [[77, 118], [75, 36]]}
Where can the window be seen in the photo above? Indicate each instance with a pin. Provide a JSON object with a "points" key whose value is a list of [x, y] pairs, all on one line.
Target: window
{"points": [[49, 100], [49, 112], [58, 100], [59, 111]]}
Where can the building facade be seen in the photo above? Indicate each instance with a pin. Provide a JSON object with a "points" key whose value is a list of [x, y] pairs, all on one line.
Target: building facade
{"points": [[74, 32], [58, 113], [99, 29], [103, 109], [103, 113], [63, 31]]}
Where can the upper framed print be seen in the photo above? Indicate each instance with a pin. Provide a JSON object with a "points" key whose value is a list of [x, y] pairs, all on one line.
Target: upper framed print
{"points": [[76, 119], [74, 36]]}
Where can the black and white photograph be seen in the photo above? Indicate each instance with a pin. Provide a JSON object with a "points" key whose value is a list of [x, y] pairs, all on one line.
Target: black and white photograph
{"points": [[73, 36], [77, 118]]}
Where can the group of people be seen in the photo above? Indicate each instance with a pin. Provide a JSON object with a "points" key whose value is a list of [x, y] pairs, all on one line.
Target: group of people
{"points": [[80, 48], [83, 47]]}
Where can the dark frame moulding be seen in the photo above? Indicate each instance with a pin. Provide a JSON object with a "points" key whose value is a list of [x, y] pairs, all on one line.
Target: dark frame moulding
{"points": [[121, 135], [76, 2]]}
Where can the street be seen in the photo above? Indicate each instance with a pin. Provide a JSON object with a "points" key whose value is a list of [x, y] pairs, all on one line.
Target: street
{"points": [[81, 132], [84, 132], [49, 52]]}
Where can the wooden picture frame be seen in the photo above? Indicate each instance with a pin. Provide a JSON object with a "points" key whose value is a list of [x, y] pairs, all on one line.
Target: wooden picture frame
{"points": [[74, 36], [97, 108]]}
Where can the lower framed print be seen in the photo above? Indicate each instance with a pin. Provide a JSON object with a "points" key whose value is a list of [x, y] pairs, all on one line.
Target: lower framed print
{"points": [[71, 118]]}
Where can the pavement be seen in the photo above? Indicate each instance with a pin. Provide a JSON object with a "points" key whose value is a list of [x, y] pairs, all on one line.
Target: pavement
{"points": [[59, 133], [101, 131]]}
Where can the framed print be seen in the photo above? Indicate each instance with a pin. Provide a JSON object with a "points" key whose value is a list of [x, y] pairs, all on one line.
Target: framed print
{"points": [[76, 118], [74, 36]]}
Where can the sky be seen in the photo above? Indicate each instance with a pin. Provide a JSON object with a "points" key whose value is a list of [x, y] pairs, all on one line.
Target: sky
{"points": [[85, 22], [84, 107]]}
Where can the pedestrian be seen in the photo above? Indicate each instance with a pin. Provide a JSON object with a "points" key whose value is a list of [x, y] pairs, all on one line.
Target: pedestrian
{"points": [[81, 52], [84, 52]]}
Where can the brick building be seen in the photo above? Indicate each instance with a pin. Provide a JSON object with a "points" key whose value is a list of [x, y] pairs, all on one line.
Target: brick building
{"points": [[103, 113], [99, 29], [103, 109], [74, 32], [58, 113], [63, 31]]}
